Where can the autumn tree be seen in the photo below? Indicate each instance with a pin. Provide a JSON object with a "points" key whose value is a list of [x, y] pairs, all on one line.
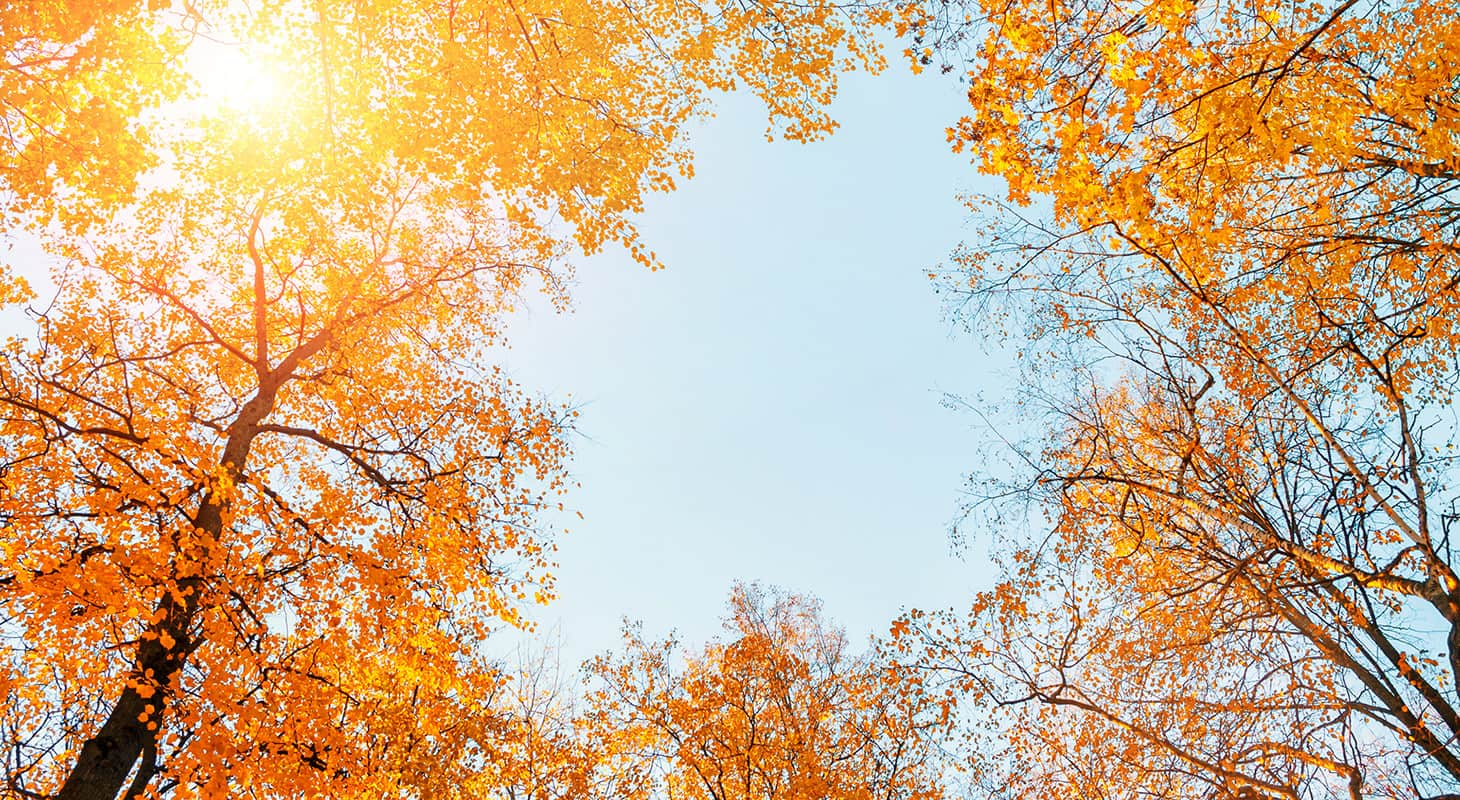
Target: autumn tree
{"points": [[1228, 254], [780, 709], [530, 740], [263, 493]]}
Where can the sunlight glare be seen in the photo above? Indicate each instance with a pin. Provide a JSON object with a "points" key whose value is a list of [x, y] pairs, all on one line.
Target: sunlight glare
{"points": [[226, 78]]}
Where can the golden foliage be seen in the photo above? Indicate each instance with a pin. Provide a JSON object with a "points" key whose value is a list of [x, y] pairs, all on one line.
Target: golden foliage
{"points": [[779, 711], [263, 494], [1245, 279]]}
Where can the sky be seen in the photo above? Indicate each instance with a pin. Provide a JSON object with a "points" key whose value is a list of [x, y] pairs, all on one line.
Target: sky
{"points": [[769, 406]]}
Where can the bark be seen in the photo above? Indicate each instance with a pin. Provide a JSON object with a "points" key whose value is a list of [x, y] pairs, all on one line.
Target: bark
{"points": [[111, 756]]}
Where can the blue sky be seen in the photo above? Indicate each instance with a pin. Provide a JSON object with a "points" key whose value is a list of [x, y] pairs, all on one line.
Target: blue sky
{"points": [[768, 407]]}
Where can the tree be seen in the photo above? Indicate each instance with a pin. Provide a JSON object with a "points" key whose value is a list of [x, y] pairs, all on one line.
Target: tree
{"points": [[1242, 582], [534, 742], [779, 711], [263, 494]]}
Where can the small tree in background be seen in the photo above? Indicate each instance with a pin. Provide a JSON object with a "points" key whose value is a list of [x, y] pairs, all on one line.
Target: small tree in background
{"points": [[780, 709]]}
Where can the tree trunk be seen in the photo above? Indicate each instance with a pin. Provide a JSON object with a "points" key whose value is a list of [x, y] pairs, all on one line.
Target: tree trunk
{"points": [[131, 729]]}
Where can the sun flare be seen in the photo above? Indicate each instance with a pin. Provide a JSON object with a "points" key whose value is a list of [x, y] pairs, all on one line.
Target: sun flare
{"points": [[227, 77]]}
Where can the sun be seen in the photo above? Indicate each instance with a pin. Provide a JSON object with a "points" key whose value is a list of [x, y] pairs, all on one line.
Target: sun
{"points": [[226, 77]]}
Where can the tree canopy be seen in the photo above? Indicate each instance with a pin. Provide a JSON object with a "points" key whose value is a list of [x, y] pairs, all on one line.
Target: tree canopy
{"points": [[1238, 307], [781, 709], [264, 494]]}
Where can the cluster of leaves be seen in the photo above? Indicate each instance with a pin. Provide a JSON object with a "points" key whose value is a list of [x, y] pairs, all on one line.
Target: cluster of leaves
{"points": [[75, 76], [1246, 283]]}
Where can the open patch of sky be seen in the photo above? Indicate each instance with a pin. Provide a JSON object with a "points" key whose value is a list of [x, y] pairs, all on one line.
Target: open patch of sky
{"points": [[768, 407]]}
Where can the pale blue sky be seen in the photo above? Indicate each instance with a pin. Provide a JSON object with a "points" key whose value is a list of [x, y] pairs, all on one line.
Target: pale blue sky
{"points": [[767, 408]]}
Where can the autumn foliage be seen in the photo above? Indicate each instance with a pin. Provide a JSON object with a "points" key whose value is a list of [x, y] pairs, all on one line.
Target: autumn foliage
{"points": [[1228, 252], [265, 498], [780, 709], [263, 493], [75, 78]]}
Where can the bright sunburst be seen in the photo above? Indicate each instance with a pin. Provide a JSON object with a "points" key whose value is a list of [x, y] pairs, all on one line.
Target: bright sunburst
{"points": [[227, 77]]}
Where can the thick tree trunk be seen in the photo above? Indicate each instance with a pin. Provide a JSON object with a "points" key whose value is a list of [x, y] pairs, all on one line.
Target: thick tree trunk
{"points": [[108, 759]]}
